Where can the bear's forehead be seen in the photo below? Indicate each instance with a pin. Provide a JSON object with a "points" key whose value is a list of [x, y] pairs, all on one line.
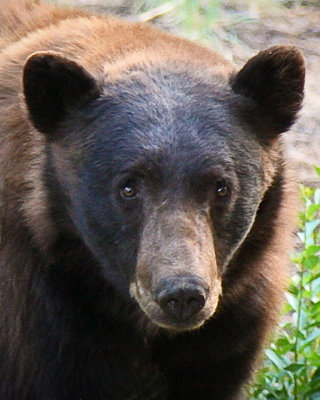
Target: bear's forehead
{"points": [[162, 119], [168, 87], [174, 106]]}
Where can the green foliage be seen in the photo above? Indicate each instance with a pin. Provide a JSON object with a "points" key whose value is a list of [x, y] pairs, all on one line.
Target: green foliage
{"points": [[291, 369], [199, 17], [209, 21]]}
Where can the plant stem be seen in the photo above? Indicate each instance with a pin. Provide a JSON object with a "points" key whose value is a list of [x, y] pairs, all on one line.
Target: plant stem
{"points": [[296, 345]]}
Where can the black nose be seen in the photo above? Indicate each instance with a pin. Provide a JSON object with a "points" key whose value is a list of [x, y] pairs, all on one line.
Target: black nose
{"points": [[181, 298]]}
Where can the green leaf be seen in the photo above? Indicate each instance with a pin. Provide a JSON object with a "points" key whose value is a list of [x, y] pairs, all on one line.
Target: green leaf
{"points": [[313, 335], [312, 210], [315, 310], [279, 362], [292, 300], [317, 169], [316, 373], [311, 262], [315, 280], [314, 390], [317, 196], [310, 227], [312, 250], [294, 367]]}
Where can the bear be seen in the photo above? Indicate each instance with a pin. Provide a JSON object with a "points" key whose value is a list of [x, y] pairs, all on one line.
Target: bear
{"points": [[147, 208]]}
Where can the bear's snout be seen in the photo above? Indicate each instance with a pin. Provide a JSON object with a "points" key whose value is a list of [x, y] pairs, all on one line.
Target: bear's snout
{"points": [[181, 298], [177, 281]]}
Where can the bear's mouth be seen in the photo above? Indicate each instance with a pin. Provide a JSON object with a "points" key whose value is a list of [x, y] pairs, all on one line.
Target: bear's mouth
{"points": [[178, 322]]}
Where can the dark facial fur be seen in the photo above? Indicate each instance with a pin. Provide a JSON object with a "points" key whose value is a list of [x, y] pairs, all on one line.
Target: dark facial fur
{"points": [[156, 140]]}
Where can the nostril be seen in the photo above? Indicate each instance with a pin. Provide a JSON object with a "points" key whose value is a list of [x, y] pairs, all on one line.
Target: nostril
{"points": [[196, 303], [181, 298], [167, 302], [171, 304], [192, 303]]}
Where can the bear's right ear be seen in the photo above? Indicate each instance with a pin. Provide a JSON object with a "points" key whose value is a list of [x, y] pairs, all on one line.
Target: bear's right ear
{"points": [[53, 86], [274, 81]]}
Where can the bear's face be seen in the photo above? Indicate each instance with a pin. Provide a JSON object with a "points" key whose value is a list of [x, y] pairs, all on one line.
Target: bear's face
{"points": [[163, 176], [157, 189]]}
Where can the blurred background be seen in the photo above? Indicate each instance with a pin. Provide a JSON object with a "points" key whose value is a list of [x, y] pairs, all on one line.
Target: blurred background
{"points": [[238, 30]]}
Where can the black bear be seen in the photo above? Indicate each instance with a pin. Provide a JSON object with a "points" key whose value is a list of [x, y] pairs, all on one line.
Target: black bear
{"points": [[146, 209]]}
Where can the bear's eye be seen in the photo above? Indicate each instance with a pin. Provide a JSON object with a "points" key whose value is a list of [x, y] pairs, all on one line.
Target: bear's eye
{"points": [[128, 192], [222, 188]]}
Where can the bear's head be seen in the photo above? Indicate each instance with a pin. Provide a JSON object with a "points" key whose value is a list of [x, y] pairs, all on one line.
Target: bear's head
{"points": [[161, 171]]}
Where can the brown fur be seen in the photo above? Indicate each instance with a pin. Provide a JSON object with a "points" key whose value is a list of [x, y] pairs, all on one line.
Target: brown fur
{"points": [[273, 260], [108, 48], [105, 46]]}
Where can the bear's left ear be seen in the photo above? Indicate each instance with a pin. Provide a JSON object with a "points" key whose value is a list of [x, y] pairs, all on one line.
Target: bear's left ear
{"points": [[274, 80], [53, 86]]}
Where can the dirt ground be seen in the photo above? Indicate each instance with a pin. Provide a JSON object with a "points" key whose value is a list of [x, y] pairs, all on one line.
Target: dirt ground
{"points": [[240, 40]]}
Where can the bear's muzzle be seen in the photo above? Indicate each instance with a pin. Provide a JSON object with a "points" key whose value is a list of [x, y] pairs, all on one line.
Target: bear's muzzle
{"points": [[177, 283]]}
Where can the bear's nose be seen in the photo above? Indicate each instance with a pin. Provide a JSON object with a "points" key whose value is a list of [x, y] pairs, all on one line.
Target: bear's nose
{"points": [[181, 298]]}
